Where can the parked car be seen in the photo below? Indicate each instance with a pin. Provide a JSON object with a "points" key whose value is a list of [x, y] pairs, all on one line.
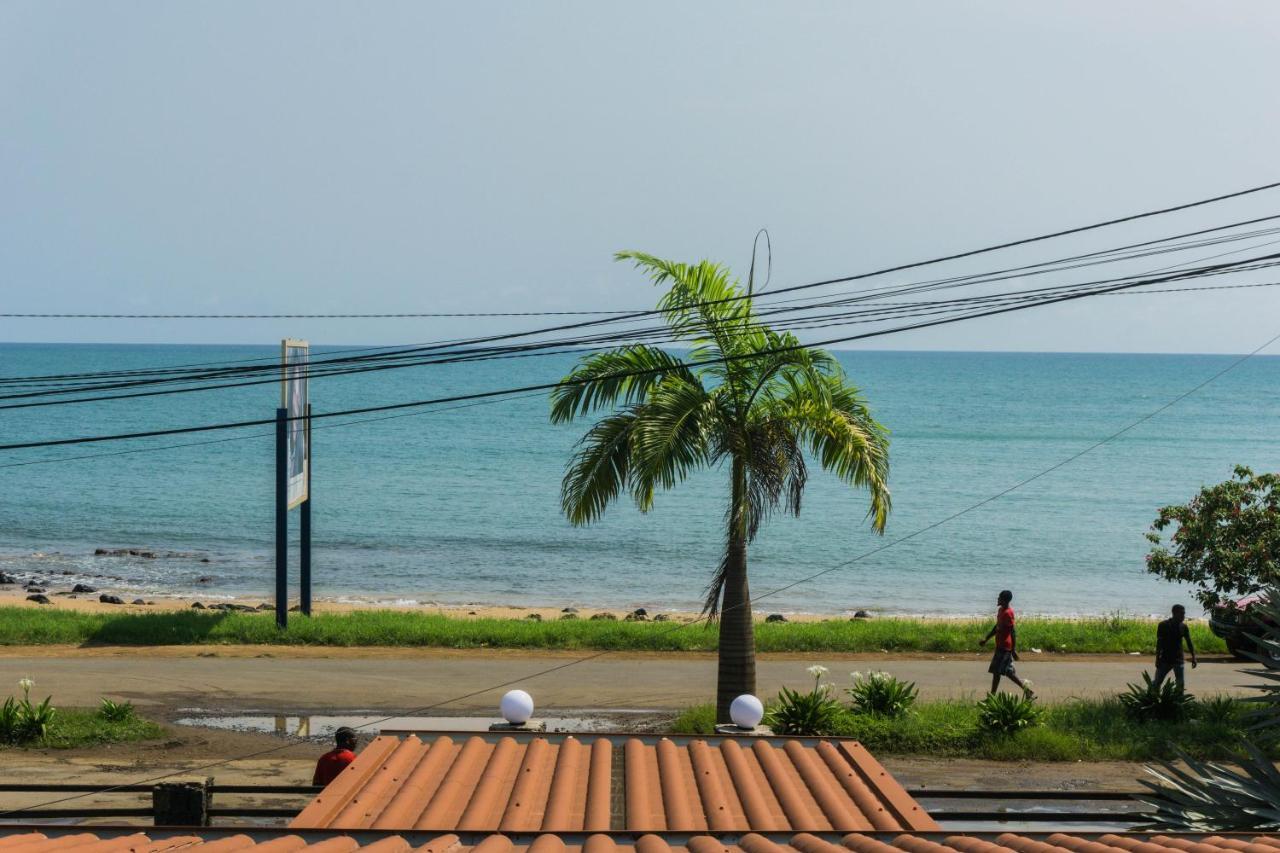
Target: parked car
{"points": [[1234, 621]]}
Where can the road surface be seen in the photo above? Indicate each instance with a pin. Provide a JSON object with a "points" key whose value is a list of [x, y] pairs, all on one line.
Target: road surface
{"points": [[310, 680]]}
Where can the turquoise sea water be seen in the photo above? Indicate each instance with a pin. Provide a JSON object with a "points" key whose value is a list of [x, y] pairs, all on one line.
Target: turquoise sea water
{"points": [[461, 506]]}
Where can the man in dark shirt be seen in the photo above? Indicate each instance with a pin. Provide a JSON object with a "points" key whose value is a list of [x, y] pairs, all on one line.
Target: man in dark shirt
{"points": [[1170, 635], [336, 760]]}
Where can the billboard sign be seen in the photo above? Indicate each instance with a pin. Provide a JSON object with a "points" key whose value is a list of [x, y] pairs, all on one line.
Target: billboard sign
{"points": [[295, 369]]}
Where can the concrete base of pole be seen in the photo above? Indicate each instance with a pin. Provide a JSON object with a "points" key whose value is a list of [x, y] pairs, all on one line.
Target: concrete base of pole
{"points": [[531, 726], [731, 730]]}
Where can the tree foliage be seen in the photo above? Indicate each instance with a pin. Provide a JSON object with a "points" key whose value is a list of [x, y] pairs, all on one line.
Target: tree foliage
{"points": [[746, 398], [1225, 540]]}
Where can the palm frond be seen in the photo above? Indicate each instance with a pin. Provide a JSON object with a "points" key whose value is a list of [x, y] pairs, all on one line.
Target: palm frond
{"points": [[705, 307], [622, 376], [776, 472], [670, 438], [599, 469], [846, 440]]}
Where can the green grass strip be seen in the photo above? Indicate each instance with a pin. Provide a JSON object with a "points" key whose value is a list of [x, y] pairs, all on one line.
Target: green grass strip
{"points": [[27, 626], [1079, 730]]}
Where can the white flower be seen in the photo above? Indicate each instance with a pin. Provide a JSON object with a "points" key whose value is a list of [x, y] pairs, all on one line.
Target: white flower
{"points": [[817, 670], [26, 684], [856, 676]]}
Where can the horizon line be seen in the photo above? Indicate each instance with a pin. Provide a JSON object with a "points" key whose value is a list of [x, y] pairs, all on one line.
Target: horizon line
{"points": [[830, 349]]}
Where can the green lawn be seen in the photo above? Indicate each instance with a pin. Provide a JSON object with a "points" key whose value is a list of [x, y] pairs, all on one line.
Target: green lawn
{"points": [[82, 727], [26, 626], [1080, 730]]}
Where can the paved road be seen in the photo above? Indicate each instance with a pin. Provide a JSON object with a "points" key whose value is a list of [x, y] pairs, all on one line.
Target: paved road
{"points": [[310, 680]]}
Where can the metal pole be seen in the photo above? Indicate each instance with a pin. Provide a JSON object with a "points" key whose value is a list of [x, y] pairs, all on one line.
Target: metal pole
{"points": [[282, 518], [304, 531]]}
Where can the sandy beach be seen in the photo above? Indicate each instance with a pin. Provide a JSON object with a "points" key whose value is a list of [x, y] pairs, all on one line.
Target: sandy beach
{"points": [[61, 597]]}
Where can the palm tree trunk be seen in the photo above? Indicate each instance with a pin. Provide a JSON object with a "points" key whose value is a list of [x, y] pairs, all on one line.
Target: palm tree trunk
{"points": [[737, 673]]}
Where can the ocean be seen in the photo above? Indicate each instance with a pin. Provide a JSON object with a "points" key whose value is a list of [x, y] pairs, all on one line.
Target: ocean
{"points": [[461, 506]]}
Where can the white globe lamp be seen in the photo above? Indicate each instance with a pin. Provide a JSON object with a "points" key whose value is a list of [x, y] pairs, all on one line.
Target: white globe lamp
{"points": [[517, 707], [746, 711]]}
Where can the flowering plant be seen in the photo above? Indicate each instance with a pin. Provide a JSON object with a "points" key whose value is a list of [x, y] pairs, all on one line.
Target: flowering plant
{"points": [[813, 713], [881, 693], [22, 721]]}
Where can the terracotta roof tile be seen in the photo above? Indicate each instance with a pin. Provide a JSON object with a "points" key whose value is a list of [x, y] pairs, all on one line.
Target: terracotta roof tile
{"points": [[561, 783], [271, 840]]}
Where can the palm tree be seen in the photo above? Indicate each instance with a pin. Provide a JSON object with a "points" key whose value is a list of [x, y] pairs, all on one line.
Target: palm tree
{"points": [[749, 399]]}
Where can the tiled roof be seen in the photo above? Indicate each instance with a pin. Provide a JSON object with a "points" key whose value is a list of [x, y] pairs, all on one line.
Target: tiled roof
{"points": [[262, 840], [560, 783]]}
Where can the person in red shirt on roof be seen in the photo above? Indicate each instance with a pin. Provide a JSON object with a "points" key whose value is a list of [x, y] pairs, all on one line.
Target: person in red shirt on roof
{"points": [[336, 760], [1006, 646]]}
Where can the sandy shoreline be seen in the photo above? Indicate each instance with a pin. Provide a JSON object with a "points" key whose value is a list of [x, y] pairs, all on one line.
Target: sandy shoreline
{"points": [[61, 598]]}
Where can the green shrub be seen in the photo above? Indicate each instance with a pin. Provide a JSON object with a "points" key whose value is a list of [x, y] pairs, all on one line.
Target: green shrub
{"points": [[116, 712], [695, 720], [1166, 702], [24, 722], [35, 720], [10, 721], [813, 713], [1219, 711], [1008, 713], [881, 693]]}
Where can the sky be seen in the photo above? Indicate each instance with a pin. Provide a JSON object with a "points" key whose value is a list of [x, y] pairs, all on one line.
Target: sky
{"points": [[246, 157]]}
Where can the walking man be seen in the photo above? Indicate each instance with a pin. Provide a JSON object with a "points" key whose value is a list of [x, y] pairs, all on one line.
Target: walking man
{"points": [[1170, 635], [1006, 646]]}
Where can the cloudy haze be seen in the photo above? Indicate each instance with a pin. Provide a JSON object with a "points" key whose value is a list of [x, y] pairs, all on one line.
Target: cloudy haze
{"points": [[324, 157]]}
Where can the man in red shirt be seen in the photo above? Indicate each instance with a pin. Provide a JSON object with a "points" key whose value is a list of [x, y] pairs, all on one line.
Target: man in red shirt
{"points": [[336, 760], [1006, 646]]}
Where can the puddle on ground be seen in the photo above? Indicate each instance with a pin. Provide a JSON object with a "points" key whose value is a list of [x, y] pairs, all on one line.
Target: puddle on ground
{"points": [[1013, 817], [320, 726]]}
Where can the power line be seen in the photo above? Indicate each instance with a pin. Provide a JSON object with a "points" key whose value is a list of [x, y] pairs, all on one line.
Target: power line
{"points": [[622, 374], [314, 428], [400, 316], [843, 279], [330, 367], [970, 253], [487, 402]]}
